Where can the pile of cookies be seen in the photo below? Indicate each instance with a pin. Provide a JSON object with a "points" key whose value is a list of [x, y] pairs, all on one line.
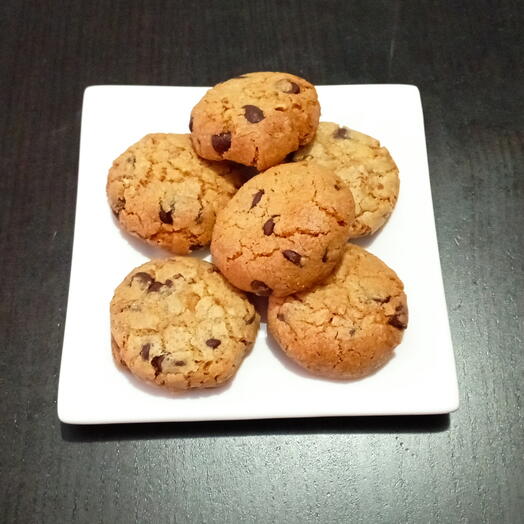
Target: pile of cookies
{"points": [[276, 195]]}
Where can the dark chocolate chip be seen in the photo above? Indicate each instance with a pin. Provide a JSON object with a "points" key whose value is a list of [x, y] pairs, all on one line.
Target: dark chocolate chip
{"points": [[324, 256], [221, 143], [191, 124], [341, 132], [179, 362], [292, 256], [396, 322], [154, 287], [281, 317], [253, 114], [337, 187], [286, 86], [144, 352], [260, 288], [352, 331], [251, 320], [257, 197], [143, 278], [381, 300], [168, 283], [268, 227], [165, 216], [156, 362], [213, 342]]}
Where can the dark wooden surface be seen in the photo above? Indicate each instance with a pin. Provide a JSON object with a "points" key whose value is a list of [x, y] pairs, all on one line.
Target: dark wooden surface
{"points": [[466, 58]]}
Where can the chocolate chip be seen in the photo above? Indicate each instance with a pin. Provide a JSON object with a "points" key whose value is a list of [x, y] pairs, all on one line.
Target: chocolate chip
{"points": [[260, 288], [268, 227], [192, 247], [281, 317], [191, 124], [253, 114], [221, 143], [143, 278], [396, 322], [144, 352], [324, 256], [292, 256], [286, 86], [352, 331], [381, 300], [165, 216], [154, 287], [244, 341], [257, 197], [131, 159], [156, 362], [213, 343], [337, 187], [168, 283], [341, 132], [179, 362], [251, 320]]}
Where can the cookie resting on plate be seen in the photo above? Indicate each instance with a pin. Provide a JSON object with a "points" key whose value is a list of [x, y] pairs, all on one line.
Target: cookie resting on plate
{"points": [[255, 119], [179, 324], [163, 192], [348, 326], [365, 166], [284, 230]]}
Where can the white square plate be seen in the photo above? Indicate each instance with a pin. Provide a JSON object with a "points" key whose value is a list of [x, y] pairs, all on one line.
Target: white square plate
{"points": [[421, 377]]}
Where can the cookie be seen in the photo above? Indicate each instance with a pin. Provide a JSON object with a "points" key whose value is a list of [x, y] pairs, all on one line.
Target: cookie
{"points": [[364, 166], [348, 326], [284, 230], [255, 119], [179, 324], [164, 193]]}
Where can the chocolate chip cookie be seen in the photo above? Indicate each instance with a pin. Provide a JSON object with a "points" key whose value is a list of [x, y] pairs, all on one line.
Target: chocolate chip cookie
{"points": [[164, 193], [284, 230], [348, 326], [255, 119], [179, 324], [365, 166]]}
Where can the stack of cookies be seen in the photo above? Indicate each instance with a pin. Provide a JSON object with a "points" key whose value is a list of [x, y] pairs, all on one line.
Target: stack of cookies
{"points": [[277, 196]]}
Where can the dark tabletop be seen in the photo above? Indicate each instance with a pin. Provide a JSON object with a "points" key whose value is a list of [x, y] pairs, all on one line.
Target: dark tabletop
{"points": [[466, 58]]}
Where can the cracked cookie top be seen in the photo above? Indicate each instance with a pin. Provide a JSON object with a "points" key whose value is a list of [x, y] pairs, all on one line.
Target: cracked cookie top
{"points": [[163, 192], [364, 166], [179, 324], [284, 230], [255, 119], [348, 326]]}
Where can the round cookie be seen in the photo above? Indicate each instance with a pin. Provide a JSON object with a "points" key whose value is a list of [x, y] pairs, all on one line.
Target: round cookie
{"points": [[255, 119], [364, 166], [284, 230], [164, 193], [179, 324], [348, 326]]}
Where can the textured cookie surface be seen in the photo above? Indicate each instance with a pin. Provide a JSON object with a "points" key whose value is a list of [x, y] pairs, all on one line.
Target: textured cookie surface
{"points": [[255, 119], [284, 230], [161, 191], [179, 324], [364, 166], [348, 326]]}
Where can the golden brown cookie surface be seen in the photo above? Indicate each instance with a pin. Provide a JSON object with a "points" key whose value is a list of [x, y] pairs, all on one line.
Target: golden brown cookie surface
{"points": [[179, 324], [365, 166], [255, 119], [284, 230], [162, 192], [348, 326]]}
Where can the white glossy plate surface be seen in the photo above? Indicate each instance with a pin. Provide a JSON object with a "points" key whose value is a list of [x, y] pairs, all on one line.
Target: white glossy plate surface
{"points": [[420, 379]]}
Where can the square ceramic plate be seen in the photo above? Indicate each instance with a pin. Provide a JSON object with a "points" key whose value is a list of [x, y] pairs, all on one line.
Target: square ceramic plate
{"points": [[421, 377]]}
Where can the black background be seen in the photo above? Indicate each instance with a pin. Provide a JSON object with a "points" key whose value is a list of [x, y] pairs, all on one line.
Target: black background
{"points": [[466, 58]]}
